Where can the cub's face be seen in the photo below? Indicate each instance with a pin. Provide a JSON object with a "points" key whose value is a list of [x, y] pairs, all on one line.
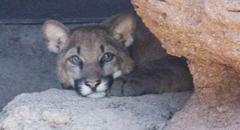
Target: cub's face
{"points": [[92, 56]]}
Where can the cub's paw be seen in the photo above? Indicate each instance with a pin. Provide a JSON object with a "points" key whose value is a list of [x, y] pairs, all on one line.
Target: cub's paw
{"points": [[129, 87], [116, 88], [67, 87]]}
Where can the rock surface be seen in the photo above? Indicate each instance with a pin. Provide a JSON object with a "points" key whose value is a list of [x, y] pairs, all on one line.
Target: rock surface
{"points": [[195, 116], [65, 110], [207, 33]]}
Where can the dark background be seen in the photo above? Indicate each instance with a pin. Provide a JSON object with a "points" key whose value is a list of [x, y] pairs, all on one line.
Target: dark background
{"points": [[67, 11]]}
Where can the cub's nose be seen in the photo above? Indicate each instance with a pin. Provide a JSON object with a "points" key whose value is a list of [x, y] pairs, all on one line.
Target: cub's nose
{"points": [[93, 84]]}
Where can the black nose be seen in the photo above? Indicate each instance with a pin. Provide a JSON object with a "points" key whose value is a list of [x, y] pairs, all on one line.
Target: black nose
{"points": [[92, 83]]}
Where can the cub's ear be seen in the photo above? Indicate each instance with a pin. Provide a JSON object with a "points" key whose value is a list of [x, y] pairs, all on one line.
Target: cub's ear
{"points": [[57, 35], [122, 28]]}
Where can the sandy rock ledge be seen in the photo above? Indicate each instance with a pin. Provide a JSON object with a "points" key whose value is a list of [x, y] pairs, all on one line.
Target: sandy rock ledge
{"points": [[65, 110]]}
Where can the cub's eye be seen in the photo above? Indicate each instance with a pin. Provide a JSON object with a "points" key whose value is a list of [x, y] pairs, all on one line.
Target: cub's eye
{"points": [[107, 57], [75, 60]]}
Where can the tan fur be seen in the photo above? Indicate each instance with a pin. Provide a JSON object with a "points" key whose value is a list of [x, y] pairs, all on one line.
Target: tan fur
{"points": [[90, 41], [57, 35]]}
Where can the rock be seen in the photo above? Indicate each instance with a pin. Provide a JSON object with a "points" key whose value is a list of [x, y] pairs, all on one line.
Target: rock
{"points": [[207, 33], [65, 110], [196, 116]]}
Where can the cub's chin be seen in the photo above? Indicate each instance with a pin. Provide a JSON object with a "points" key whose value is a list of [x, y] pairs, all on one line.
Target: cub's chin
{"points": [[97, 95]]}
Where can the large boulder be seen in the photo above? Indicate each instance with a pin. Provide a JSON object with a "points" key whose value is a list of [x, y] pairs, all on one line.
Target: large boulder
{"points": [[207, 33], [65, 110]]}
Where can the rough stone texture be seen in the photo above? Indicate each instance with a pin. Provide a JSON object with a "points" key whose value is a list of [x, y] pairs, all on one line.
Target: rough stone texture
{"points": [[207, 33], [195, 116], [65, 110]]}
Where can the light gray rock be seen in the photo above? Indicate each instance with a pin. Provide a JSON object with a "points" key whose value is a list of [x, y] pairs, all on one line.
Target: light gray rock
{"points": [[65, 110]]}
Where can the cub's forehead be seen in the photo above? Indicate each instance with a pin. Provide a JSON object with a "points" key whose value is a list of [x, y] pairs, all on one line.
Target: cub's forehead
{"points": [[89, 37], [90, 43]]}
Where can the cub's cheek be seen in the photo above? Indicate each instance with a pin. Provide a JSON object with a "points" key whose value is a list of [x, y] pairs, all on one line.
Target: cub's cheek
{"points": [[102, 87], [72, 82], [84, 90], [81, 88], [117, 74], [74, 73]]}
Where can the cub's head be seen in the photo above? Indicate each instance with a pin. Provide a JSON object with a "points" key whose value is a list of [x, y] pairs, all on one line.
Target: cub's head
{"points": [[92, 56]]}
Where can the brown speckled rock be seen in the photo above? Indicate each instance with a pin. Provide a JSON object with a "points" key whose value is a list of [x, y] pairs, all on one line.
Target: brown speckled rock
{"points": [[207, 33]]}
